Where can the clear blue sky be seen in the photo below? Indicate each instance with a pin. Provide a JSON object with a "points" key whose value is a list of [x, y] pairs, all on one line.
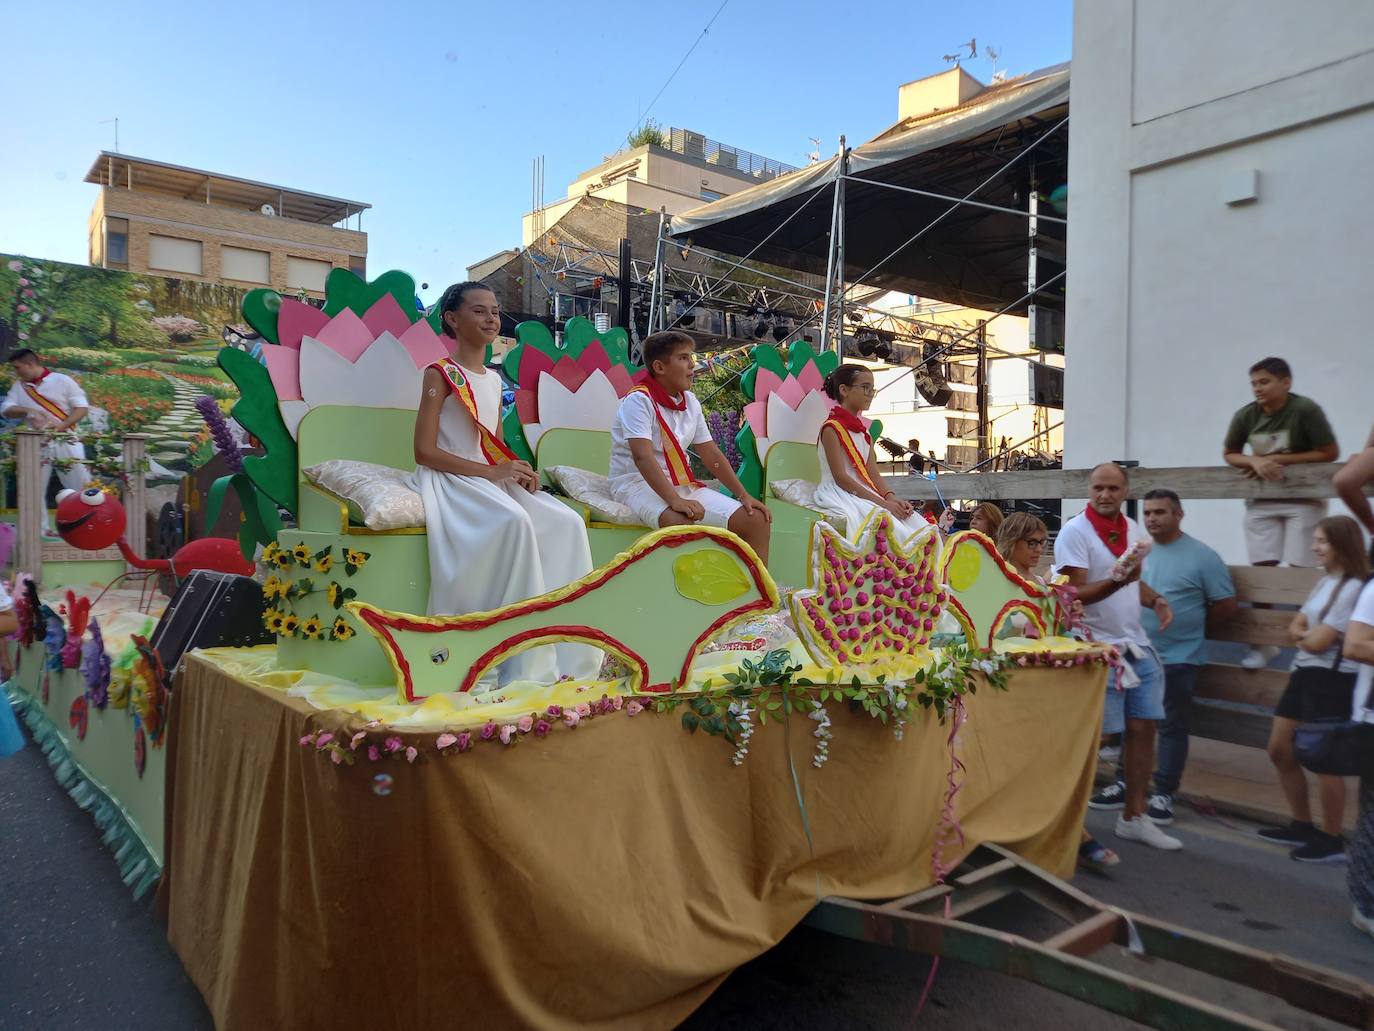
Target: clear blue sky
{"points": [[433, 114]]}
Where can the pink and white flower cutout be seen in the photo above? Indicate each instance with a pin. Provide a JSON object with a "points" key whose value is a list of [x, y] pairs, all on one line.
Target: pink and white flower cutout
{"points": [[376, 361], [581, 393], [791, 408]]}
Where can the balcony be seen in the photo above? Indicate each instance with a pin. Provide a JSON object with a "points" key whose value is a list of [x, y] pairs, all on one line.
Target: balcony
{"points": [[695, 145]]}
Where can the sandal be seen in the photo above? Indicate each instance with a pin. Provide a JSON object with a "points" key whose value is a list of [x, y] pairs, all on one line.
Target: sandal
{"points": [[1093, 855]]}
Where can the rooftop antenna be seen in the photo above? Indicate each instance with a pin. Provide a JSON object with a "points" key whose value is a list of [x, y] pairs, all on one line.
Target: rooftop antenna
{"points": [[116, 125], [998, 74], [814, 154]]}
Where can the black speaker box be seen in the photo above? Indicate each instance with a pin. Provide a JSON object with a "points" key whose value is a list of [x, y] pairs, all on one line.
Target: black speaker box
{"points": [[210, 610]]}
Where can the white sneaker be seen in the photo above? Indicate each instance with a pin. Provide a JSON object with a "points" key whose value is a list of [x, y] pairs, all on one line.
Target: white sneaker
{"points": [[1142, 829], [1109, 753], [1362, 922], [1259, 656]]}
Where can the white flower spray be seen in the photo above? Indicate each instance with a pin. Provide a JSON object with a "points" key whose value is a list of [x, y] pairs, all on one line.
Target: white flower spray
{"points": [[743, 715], [821, 734]]}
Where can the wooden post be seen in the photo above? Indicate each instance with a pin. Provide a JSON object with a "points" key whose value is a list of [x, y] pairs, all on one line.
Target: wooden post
{"points": [[28, 471], [135, 492]]}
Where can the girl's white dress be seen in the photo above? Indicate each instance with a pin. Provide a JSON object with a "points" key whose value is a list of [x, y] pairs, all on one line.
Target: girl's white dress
{"points": [[491, 544], [834, 500]]}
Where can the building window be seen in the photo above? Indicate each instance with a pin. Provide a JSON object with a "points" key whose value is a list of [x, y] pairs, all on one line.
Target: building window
{"points": [[116, 242], [306, 274], [245, 265], [170, 254], [710, 194], [358, 266]]}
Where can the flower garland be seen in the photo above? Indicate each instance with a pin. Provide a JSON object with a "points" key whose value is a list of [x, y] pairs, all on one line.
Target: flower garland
{"points": [[286, 623], [225, 445]]}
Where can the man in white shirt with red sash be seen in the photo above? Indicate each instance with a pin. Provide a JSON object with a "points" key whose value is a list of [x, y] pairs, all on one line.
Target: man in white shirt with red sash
{"points": [[54, 402], [1092, 551]]}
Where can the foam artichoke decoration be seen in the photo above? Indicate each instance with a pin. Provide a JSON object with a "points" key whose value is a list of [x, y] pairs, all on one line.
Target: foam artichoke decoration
{"points": [[578, 385], [787, 401], [368, 345]]}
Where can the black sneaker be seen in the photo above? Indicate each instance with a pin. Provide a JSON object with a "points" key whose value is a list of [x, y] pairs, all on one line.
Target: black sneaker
{"points": [[1323, 848], [1161, 809], [1113, 796], [1297, 833]]}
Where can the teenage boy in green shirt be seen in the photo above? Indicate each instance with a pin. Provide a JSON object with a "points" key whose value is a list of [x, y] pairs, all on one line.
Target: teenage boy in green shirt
{"points": [[1281, 428]]}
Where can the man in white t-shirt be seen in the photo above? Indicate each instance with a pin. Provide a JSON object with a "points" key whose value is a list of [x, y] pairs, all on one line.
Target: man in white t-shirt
{"points": [[650, 471], [1359, 646], [54, 402], [1090, 550]]}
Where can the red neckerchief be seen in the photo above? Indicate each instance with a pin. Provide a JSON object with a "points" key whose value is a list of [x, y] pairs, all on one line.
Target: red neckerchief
{"points": [[1112, 531], [848, 420], [45, 374], [662, 398]]}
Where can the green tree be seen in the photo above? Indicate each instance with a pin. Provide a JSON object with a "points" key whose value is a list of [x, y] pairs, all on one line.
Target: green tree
{"points": [[648, 134]]}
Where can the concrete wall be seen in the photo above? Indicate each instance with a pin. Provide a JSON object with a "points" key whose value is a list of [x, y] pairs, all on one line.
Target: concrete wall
{"points": [[1173, 293], [154, 214]]}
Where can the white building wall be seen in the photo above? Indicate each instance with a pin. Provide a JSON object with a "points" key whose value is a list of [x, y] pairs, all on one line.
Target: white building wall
{"points": [[1173, 293]]}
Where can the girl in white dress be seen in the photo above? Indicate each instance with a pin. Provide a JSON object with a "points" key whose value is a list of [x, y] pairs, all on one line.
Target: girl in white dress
{"points": [[494, 538], [851, 486]]}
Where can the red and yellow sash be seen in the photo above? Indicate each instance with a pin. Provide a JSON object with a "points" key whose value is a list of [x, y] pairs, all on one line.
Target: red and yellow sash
{"points": [[47, 404], [492, 449], [855, 459], [674, 457]]}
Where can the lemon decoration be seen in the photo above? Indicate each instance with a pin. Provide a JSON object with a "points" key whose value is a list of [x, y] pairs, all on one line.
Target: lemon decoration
{"points": [[964, 567]]}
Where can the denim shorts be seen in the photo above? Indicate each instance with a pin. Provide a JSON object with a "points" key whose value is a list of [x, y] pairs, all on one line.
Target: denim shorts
{"points": [[1145, 701]]}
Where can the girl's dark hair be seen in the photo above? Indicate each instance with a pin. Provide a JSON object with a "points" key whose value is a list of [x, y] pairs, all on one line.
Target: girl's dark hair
{"points": [[452, 299], [843, 376], [658, 347]]}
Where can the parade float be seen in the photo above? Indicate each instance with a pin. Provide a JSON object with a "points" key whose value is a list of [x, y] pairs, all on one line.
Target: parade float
{"points": [[348, 824]]}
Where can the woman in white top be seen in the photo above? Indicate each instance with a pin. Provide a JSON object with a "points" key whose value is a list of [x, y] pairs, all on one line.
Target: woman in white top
{"points": [[1320, 687], [851, 486], [1359, 645], [494, 538]]}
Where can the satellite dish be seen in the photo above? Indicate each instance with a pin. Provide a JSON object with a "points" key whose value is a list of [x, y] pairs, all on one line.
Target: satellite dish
{"points": [[267, 209]]}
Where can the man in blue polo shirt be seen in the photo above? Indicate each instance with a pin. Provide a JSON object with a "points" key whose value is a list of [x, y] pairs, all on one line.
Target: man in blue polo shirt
{"points": [[1198, 586]]}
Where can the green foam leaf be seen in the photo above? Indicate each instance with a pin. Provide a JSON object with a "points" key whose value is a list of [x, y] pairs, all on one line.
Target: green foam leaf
{"points": [[257, 412]]}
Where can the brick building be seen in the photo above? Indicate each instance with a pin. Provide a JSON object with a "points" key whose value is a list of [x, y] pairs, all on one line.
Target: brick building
{"points": [[192, 224]]}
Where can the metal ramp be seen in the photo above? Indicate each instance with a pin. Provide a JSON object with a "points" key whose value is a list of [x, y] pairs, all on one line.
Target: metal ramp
{"points": [[936, 921]]}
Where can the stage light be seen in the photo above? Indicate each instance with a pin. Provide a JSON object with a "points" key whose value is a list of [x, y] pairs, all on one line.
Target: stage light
{"points": [[781, 328], [866, 342], [682, 314], [882, 350]]}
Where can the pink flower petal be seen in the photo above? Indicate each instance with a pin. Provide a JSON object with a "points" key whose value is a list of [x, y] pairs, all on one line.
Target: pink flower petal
{"points": [[284, 367], [357, 740], [346, 335], [386, 316], [423, 344], [445, 741], [533, 362], [765, 383], [756, 414], [569, 373], [411, 753], [297, 320], [620, 379], [594, 357], [810, 378], [791, 392]]}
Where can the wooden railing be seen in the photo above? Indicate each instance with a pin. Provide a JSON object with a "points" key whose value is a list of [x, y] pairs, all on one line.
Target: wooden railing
{"points": [[1232, 703], [30, 548]]}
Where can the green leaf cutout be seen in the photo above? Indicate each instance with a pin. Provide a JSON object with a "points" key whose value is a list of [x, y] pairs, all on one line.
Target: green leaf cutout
{"points": [[709, 577]]}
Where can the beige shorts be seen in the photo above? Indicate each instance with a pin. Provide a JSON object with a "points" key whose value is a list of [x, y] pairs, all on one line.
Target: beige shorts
{"points": [[1281, 531]]}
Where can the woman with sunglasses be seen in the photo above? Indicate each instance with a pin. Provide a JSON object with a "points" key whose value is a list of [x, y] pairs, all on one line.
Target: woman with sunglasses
{"points": [[1021, 540]]}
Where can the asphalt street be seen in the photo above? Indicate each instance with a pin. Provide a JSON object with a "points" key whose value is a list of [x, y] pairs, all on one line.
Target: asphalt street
{"points": [[77, 953]]}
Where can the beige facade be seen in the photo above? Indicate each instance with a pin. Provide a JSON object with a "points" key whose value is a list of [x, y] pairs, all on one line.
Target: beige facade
{"points": [[651, 177], [231, 239], [936, 93]]}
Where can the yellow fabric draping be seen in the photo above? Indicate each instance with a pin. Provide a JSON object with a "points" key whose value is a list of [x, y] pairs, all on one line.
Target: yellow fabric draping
{"points": [[608, 876]]}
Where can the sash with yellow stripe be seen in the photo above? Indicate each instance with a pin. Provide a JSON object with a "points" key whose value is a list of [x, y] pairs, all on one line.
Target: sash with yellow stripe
{"points": [[47, 404], [674, 457], [855, 459], [492, 449]]}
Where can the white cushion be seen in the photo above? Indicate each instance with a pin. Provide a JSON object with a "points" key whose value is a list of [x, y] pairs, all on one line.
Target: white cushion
{"points": [[796, 492], [594, 491], [803, 493], [382, 494]]}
